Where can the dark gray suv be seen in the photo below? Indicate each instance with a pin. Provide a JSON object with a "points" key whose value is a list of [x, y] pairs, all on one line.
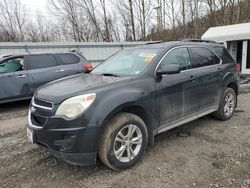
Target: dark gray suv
{"points": [[115, 111], [21, 75]]}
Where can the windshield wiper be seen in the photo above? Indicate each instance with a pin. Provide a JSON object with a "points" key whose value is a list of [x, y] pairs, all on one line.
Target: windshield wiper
{"points": [[110, 74]]}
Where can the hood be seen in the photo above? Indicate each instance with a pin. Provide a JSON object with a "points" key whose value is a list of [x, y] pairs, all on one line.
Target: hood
{"points": [[61, 89]]}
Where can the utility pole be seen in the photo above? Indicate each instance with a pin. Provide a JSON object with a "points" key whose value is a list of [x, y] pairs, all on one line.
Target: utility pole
{"points": [[159, 17]]}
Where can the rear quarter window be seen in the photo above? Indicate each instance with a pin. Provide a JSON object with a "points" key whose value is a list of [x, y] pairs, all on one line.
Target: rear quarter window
{"points": [[41, 61], [65, 59], [224, 55]]}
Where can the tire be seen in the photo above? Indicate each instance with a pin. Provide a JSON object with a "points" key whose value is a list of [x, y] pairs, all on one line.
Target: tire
{"points": [[225, 114], [111, 148]]}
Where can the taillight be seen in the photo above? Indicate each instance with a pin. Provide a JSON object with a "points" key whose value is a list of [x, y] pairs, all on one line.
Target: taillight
{"points": [[88, 67], [238, 67]]}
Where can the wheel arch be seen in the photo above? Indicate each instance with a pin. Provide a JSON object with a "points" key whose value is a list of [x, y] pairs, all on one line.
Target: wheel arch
{"points": [[234, 86], [135, 109]]}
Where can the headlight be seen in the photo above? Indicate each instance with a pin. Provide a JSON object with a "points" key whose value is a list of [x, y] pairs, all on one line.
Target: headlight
{"points": [[74, 106]]}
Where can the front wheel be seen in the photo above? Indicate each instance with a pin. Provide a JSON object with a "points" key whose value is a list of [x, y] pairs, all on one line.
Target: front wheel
{"points": [[227, 105], [123, 141]]}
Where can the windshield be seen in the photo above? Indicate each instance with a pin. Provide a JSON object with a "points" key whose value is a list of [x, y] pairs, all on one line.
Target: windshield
{"points": [[127, 62]]}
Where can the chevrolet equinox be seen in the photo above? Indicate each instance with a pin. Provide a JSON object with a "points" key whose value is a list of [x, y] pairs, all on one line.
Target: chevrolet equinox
{"points": [[114, 111]]}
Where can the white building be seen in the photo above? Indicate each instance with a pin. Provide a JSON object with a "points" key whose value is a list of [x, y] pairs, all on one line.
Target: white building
{"points": [[237, 40]]}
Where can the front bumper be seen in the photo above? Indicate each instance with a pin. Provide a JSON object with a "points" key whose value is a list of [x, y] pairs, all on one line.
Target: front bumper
{"points": [[68, 140], [82, 159]]}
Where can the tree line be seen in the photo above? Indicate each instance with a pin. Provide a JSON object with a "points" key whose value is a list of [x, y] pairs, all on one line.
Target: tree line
{"points": [[118, 20]]}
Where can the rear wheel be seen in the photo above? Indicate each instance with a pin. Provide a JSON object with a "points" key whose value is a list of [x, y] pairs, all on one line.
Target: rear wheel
{"points": [[227, 105], [123, 141]]}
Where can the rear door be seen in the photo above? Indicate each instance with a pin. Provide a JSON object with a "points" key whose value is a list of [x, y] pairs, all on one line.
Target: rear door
{"points": [[70, 63], [43, 68], [13, 79], [204, 94]]}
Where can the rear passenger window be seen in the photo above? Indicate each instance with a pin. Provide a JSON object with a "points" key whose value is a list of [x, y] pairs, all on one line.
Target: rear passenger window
{"points": [[179, 56], [41, 61], [64, 59], [203, 57]]}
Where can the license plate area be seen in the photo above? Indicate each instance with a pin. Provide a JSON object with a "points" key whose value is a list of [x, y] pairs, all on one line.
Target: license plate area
{"points": [[30, 135]]}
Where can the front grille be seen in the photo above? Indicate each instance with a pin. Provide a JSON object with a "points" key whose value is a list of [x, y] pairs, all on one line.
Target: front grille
{"points": [[43, 103], [38, 120]]}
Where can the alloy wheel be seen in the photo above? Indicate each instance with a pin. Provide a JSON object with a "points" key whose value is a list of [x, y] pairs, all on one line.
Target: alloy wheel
{"points": [[128, 143], [229, 104]]}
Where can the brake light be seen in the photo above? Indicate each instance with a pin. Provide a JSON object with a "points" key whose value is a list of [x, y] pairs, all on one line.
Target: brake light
{"points": [[88, 67], [238, 67]]}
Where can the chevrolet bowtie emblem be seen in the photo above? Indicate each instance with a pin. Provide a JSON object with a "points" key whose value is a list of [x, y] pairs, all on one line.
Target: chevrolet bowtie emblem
{"points": [[32, 109]]}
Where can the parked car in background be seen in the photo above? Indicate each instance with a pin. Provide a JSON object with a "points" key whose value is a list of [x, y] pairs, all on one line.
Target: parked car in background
{"points": [[115, 111], [21, 75]]}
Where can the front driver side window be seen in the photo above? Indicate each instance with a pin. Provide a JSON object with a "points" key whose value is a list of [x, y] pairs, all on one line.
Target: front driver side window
{"points": [[11, 65], [179, 56]]}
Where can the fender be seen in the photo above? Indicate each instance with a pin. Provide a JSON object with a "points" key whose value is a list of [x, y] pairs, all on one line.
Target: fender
{"points": [[113, 103], [227, 79], [230, 77], [110, 103]]}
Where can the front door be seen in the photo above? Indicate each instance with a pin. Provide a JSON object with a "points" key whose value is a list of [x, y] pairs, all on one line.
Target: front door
{"points": [[13, 79], [171, 88]]}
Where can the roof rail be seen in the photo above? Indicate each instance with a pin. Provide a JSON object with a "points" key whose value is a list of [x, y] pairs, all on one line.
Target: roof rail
{"points": [[153, 42], [198, 40]]}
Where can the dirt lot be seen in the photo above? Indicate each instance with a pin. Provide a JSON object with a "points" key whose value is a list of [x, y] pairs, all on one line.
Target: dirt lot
{"points": [[203, 153]]}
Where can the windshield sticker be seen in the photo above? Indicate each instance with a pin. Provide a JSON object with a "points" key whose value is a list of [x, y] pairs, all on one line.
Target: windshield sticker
{"points": [[147, 54], [148, 58]]}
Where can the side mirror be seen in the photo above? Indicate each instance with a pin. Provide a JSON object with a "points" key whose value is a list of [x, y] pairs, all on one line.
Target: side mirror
{"points": [[168, 69]]}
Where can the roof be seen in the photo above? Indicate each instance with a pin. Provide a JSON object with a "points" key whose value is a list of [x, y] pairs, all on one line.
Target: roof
{"points": [[228, 33], [171, 44]]}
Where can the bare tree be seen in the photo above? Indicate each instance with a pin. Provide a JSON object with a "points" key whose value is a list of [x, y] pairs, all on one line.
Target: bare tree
{"points": [[123, 11], [211, 10], [93, 20], [132, 18], [12, 19], [106, 20], [143, 15], [172, 12], [19, 17], [69, 13]]}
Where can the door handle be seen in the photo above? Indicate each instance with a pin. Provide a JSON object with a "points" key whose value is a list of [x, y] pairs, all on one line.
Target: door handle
{"points": [[191, 78], [21, 76], [60, 70], [220, 70]]}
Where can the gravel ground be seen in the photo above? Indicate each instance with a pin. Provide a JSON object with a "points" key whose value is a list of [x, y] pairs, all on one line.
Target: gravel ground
{"points": [[203, 153]]}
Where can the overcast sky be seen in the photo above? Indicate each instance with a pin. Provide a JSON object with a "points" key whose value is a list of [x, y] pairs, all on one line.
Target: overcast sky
{"points": [[34, 5]]}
